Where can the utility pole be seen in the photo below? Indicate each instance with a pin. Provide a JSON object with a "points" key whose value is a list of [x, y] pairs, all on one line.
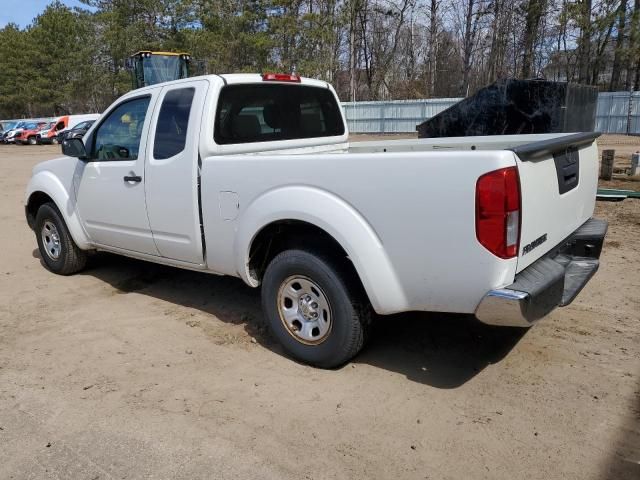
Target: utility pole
{"points": [[630, 109]]}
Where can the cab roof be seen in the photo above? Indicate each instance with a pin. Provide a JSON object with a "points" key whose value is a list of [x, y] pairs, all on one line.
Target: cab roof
{"points": [[234, 78], [230, 79]]}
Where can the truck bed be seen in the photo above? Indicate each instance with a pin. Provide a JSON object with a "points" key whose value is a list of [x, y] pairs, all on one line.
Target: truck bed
{"points": [[417, 200], [541, 159]]}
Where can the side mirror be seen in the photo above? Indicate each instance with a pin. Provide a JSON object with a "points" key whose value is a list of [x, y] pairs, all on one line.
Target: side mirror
{"points": [[74, 147]]}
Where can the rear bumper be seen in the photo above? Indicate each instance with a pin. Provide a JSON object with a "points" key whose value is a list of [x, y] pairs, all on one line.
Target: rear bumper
{"points": [[552, 281]]}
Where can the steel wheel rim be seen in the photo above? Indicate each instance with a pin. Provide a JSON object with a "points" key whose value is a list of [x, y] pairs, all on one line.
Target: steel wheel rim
{"points": [[51, 240], [305, 310]]}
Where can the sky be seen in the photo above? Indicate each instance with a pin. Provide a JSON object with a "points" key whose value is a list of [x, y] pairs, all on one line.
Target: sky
{"points": [[23, 12]]}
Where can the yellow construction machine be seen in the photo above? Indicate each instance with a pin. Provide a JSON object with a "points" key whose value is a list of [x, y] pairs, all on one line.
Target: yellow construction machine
{"points": [[148, 68]]}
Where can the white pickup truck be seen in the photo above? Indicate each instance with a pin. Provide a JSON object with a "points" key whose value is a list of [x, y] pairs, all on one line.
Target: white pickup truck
{"points": [[253, 176]]}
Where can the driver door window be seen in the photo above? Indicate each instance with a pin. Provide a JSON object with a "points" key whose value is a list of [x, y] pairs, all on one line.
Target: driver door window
{"points": [[118, 137]]}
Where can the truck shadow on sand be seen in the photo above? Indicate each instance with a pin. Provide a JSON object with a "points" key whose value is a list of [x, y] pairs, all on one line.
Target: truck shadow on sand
{"points": [[440, 350]]}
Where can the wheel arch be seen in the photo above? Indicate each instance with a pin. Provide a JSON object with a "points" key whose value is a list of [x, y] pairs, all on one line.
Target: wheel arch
{"points": [[301, 211], [285, 234], [45, 187]]}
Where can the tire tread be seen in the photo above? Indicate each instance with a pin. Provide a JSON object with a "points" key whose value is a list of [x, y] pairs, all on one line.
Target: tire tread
{"points": [[74, 259], [362, 312]]}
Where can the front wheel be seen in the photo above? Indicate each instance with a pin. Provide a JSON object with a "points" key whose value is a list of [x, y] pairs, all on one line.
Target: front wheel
{"points": [[315, 308], [58, 250]]}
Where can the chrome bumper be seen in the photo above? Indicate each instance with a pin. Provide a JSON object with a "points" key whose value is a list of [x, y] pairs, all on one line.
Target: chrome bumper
{"points": [[552, 281], [504, 307]]}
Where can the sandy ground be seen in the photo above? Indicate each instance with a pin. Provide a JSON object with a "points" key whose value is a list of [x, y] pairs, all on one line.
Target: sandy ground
{"points": [[131, 370]]}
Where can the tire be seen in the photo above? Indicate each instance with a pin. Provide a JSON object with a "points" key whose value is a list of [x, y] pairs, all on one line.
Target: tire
{"points": [[340, 321], [32, 141], [58, 251], [54, 141]]}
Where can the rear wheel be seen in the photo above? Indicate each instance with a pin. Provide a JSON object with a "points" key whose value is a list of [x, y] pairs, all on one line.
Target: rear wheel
{"points": [[314, 308], [58, 250], [31, 140], [54, 140]]}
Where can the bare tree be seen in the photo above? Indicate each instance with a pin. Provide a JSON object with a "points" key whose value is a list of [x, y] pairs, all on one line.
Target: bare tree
{"points": [[584, 42], [432, 45], [466, 19], [535, 13], [633, 64], [620, 46]]}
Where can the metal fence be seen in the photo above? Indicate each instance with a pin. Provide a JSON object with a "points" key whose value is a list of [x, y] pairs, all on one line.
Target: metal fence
{"points": [[398, 116], [618, 112], [615, 110]]}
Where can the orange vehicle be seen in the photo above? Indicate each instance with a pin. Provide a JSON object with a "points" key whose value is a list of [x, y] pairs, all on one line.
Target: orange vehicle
{"points": [[48, 134], [30, 133]]}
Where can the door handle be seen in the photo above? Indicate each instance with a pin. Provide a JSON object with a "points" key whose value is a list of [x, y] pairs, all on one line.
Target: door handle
{"points": [[133, 178]]}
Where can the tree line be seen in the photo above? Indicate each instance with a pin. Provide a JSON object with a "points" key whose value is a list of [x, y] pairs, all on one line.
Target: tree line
{"points": [[73, 60]]}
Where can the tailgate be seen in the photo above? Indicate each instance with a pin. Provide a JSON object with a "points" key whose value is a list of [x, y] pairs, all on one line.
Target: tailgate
{"points": [[558, 183]]}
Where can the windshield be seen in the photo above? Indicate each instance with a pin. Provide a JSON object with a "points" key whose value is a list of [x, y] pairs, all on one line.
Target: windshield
{"points": [[9, 125], [163, 68], [83, 125]]}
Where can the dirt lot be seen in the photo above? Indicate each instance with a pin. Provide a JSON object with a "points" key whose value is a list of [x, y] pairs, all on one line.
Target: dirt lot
{"points": [[132, 370], [624, 146]]}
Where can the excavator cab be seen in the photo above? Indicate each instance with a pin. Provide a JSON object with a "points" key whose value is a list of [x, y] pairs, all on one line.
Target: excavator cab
{"points": [[148, 68]]}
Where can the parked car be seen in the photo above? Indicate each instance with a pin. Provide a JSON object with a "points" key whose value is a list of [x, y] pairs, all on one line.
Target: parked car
{"points": [[76, 132], [260, 170], [6, 125], [63, 124], [4, 129], [29, 133], [9, 135]]}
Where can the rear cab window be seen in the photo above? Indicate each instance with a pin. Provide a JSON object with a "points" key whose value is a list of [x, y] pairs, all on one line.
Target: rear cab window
{"points": [[171, 131], [249, 113]]}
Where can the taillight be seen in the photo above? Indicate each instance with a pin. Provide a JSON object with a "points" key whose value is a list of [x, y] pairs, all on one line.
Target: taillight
{"points": [[281, 77], [498, 212]]}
